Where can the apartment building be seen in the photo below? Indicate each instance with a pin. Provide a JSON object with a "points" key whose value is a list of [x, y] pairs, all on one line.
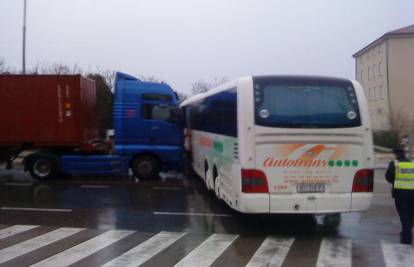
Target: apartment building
{"points": [[385, 68]]}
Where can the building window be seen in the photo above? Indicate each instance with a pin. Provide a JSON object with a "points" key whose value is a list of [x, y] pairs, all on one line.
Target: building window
{"points": [[369, 95], [374, 71], [362, 76], [382, 92], [369, 73], [380, 69]]}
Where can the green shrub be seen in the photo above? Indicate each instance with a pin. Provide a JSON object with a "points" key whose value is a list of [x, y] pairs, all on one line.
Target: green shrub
{"points": [[387, 139]]}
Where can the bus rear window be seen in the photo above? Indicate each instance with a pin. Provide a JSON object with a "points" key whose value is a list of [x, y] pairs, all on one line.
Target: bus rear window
{"points": [[301, 105]]}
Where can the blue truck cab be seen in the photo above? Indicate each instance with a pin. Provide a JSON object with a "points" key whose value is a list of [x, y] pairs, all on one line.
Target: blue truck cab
{"points": [[148, 133]]}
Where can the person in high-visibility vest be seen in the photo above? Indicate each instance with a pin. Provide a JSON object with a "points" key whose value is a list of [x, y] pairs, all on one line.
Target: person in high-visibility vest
{"points": [[400, 174]]}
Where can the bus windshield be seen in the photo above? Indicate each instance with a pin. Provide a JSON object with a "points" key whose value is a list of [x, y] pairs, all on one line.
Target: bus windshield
{"points": [[306, 105]]}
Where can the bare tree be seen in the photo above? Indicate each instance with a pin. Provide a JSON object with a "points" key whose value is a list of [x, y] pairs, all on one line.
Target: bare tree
{"points": [[55, 68], [109, 77], [63, 69], [181, 96], [3, 66], [202, 86], [39, 68], [151, 78], [400, 123]]}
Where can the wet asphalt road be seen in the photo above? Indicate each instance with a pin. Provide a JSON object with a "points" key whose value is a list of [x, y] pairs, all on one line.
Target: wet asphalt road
{"points": [[183, 205]]}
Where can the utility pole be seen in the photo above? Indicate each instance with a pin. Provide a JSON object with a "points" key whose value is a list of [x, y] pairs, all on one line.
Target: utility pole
{"points": [[24, 37]]}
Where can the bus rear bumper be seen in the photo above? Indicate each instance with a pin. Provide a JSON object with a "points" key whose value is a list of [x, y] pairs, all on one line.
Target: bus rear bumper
{"points": [[254, 203], [304, 203], [361, 201], [320, 203]]}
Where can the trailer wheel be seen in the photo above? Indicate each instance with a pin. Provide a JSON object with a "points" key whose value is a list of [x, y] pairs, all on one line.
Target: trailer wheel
{"points": [[145, 167], [43, 166]]}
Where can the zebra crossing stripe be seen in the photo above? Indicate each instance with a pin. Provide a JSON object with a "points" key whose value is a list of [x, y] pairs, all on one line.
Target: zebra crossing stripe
{"points": [[84, 249], [335, 252], [146, 250], [397, 255], [208, 251], [35, 243], [12, 230], [271, 253]]}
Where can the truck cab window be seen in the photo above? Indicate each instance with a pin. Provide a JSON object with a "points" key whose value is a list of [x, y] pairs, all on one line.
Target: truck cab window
{"points": [[156, 112]]}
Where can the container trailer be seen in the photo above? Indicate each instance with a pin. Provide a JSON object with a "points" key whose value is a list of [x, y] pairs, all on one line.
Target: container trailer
{"points": [[51, 120]]}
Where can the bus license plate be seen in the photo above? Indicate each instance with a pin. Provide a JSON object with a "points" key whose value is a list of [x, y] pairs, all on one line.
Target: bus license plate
{"points": [[310, 188]]}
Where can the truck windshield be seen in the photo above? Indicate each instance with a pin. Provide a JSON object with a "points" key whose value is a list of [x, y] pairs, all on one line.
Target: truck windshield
{"points": [[302, 105]]}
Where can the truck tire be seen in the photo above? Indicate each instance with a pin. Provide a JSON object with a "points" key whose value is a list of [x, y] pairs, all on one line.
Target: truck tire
{"points": [[145, 167], [43, 166]]}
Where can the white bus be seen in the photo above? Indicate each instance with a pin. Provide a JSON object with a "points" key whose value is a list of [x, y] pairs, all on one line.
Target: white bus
{"points": [[283, 144]]}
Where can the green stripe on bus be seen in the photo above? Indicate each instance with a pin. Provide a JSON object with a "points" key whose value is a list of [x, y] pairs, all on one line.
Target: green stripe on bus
{"points": [[218, 147]]}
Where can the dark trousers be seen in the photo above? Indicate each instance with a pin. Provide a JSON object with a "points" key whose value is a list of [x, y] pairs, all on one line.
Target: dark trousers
{"points": [[405, 207]]}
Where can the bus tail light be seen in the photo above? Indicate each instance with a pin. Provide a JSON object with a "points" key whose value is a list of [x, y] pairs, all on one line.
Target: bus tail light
{"points": [[254, 181], [363, 181]]}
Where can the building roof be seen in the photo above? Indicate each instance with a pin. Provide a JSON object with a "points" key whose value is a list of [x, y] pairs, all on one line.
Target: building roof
{"points": [[406, 31]]}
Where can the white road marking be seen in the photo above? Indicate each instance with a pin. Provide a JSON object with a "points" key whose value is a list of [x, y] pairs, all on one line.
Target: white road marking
{"points": [[335, 252], [397, 255], [35, 209], [18, 184], [167, 188], [192, 214], [84, 249], [146, 250], [35, 243], [271, 253], [95, 186], [208, 251], [12, 230]]}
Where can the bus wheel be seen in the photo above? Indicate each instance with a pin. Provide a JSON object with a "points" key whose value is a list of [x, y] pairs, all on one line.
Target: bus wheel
{"points": [[209, 180], [145, 167], [217, 187], [332, 221], [43, 166], [216, 184]]}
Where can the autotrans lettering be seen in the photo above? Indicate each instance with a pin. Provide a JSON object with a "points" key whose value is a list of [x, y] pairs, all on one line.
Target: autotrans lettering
{"points": [[271, 162], [316, 155]]}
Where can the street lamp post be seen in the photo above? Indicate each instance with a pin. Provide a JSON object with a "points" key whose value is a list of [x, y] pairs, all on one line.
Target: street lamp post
{"points": [[24, 37]]}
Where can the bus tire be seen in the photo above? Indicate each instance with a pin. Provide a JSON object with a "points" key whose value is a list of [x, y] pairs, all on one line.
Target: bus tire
{"points": [[332, 221], [216, 184], [43, 166], [145, 167]]}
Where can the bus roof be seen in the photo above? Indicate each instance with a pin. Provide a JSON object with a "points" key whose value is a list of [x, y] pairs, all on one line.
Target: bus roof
{"points": [[233, 83]]}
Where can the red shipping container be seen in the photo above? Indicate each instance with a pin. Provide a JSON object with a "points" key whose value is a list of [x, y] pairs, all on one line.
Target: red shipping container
{"points": [[47, 110]]}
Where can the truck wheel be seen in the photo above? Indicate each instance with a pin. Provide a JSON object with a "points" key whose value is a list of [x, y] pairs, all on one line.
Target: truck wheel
{"points": [[145, 167], [43, 166]]}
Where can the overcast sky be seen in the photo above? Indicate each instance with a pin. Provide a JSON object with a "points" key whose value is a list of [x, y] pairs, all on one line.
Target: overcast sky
{"points": [[181, 41]]}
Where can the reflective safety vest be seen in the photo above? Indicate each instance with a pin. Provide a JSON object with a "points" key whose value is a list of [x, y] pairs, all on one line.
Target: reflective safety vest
{"points": [[404, 175]]}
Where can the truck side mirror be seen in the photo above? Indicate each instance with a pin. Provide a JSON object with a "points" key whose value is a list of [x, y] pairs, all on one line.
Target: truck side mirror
{"points": [[175, 115]]}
